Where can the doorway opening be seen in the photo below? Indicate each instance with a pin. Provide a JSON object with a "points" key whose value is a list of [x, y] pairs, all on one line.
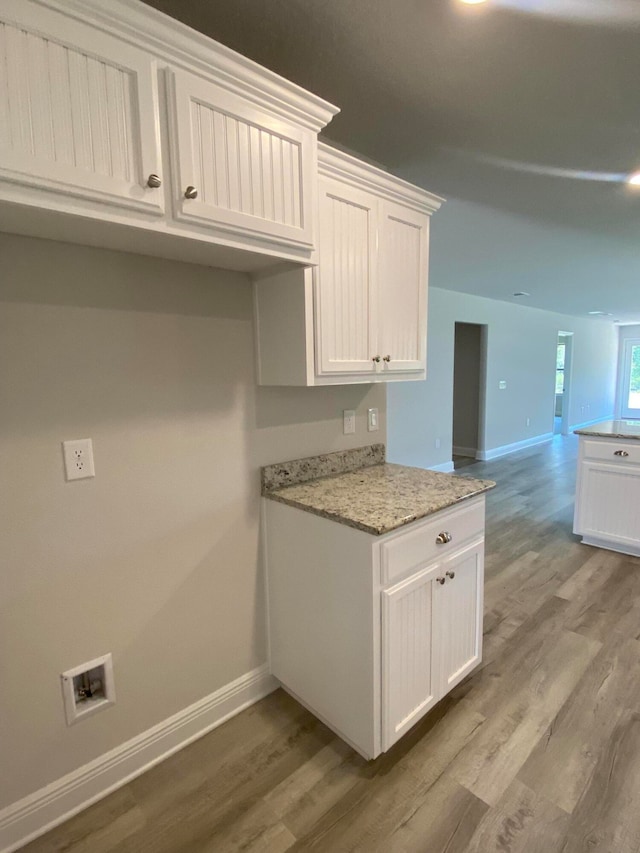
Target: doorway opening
{"points": [[469, 383], [564, 348]]}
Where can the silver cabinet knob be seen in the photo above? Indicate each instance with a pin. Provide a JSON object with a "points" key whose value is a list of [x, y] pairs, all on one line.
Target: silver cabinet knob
{"points": [[620, 453], [450, 575], [154, 182], [191, 192], [376, 358], [387, 358], [443, 538], [441, 580]]}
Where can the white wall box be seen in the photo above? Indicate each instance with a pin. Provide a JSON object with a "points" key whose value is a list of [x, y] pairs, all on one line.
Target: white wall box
{"points": [[369, 632], [123, 128], [608, 494], [361, 315]]}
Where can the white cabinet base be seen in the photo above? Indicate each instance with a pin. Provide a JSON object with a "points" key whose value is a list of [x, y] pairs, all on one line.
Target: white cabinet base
{"points": [[611, 545], [607, 510], [368, 656]]}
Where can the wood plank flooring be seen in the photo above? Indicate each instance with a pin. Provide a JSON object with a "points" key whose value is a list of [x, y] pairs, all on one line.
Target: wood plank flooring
{"points": [[538, 751]]}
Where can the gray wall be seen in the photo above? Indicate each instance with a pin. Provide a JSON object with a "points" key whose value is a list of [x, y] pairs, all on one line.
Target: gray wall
{"points": [[156, 559], [521, 349]]}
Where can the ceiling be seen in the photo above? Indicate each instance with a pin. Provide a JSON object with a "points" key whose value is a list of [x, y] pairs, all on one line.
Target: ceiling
{"points": [[529, 108]]}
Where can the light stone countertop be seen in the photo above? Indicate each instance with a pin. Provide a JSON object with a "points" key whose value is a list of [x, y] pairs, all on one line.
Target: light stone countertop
{"points": [[613, 429], [381, 497]]}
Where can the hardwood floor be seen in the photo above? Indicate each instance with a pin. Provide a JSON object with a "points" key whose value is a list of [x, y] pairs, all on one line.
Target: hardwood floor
{"points": [[538, 751]]}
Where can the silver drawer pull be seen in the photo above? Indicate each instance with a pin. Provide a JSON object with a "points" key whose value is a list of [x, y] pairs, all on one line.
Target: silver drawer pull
{"points": [[443, 538], [620, 453]]}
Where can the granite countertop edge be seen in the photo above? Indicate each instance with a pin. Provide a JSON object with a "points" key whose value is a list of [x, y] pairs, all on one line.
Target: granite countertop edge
{"points": [[380, 530]]}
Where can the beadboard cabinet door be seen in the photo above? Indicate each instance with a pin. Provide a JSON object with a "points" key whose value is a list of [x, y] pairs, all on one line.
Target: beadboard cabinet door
{"points": [[409, 680], [432, 636], [402, 287], [346, 316], [78, 109], [607, 505], [458, 616], [237, 167]]}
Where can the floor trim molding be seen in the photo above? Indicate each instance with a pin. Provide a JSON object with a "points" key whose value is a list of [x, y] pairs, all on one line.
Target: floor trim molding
{"points": [[445, 467], [39, 812], [505, 449], [471, 452]]}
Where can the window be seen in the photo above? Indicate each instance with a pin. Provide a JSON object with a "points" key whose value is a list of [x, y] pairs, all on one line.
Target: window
{"points": [[560, 353], [631, 379]]}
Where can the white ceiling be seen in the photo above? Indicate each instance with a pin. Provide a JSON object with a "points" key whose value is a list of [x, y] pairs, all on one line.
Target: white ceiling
{"points": [[528, 108]]}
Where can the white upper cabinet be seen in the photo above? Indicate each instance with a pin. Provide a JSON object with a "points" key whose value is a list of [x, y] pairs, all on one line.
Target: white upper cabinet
{"points": [[78, 109], [402, 287], [364, 308], [239, 168], [156, 138], [346, 315]]}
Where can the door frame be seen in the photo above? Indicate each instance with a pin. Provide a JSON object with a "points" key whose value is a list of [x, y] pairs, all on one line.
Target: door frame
{"points": [[566, 395]]}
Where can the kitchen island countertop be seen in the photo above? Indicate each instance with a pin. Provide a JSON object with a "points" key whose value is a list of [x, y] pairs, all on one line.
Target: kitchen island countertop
{"points": [[612, 429]]}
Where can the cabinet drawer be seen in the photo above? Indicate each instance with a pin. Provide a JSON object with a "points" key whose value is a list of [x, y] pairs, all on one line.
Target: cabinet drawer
{"points": [[612, 451], [418, 544]]}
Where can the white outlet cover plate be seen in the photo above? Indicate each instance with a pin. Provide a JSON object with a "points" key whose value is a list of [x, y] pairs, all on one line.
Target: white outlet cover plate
{"points": [[78, 459], [348, 421]]}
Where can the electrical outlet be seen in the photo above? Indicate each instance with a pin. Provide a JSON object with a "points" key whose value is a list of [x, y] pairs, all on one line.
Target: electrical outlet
{"points": [[78, 459], [502, 384], [348, 421]]}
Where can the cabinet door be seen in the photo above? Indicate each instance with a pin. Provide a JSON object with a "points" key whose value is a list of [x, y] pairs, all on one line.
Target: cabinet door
{"points": [[402, 287], [607, 502], [458, 616], [345, 312], [253, 172], [78, 109], [409, 682]]}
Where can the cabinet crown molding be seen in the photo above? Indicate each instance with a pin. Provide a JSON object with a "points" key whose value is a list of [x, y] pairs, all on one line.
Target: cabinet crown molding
{"points": [[333, 163], [182, 46]]}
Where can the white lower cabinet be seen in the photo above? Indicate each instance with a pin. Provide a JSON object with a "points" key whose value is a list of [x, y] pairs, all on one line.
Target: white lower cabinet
{"points": [[431, 637], [608, 494], [370, 632]]}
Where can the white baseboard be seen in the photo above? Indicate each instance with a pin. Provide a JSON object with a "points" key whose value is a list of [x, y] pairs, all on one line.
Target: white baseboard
{"points": [[505, 449], [39, 812], [445, 467], [584, 424], [465, 451]]}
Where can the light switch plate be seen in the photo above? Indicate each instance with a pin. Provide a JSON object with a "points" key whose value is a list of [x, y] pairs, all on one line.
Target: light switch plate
{"points": [[372, 420], [78, 459]]}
